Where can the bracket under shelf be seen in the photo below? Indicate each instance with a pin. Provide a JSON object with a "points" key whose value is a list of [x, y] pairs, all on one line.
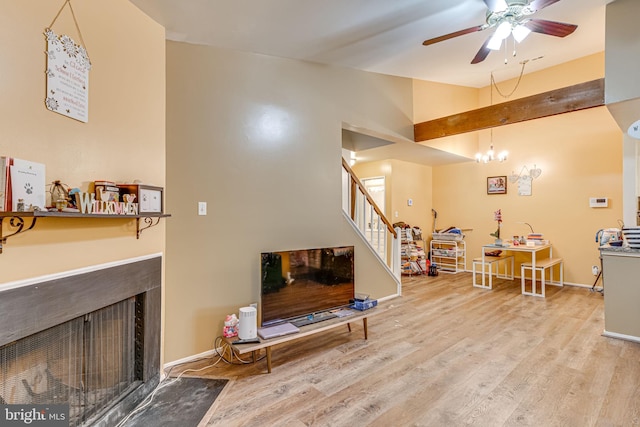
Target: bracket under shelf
{"points": [[17, 223]]}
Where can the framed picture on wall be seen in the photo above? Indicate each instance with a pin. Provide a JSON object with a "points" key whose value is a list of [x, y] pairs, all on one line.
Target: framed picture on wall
{"points": [[497, 185]]}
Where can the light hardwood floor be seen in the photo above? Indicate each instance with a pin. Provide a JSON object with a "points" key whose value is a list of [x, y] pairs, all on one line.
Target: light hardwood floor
{"points": [[447, 354]]}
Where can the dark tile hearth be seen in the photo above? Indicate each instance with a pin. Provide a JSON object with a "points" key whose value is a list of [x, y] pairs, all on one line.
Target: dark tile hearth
{"points": [[182, 403]]}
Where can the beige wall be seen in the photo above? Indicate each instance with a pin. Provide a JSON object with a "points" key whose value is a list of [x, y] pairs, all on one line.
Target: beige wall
{"points": [[580, 155], [434, 100], [403, 181], [623, 92], [260, 140], [123, 140], [622, 48], [411, 181]]}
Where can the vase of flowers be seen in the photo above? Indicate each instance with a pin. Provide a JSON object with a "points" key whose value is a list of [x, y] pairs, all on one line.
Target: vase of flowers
{"points": [[497, 216]]}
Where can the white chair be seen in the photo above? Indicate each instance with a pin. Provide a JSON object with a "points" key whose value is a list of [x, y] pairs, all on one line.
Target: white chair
{"points": [[489, 262], [541, 266]]}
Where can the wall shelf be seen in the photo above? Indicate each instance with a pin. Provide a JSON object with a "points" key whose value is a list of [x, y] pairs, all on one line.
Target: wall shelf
{"points": [[20, 222]]}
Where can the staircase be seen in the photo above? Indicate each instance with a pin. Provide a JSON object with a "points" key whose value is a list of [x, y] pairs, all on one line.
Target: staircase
{"points": [[369, 220]]}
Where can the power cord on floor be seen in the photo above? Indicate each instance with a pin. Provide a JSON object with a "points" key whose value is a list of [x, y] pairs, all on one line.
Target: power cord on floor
{"points": [[147, 401], [222, 348]]}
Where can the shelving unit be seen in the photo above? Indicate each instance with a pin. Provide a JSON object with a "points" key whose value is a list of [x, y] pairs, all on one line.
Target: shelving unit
{"points": [[412, 255], [450, 256], [18, 221]]}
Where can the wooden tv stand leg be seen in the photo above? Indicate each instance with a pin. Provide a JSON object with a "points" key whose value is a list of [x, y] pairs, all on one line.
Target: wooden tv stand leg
{"points": [[364, 324], [366, 332], [268, 349]]}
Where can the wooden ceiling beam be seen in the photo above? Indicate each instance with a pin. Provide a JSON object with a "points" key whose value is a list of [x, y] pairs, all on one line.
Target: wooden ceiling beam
{"points": [[559, 101]]}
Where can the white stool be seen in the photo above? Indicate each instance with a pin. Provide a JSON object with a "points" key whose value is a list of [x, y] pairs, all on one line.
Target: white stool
{"points": [[542, 266], [489, 261]]}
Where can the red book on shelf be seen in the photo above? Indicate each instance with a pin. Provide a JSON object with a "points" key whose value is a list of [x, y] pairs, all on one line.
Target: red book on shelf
{"points": [[5, 183]]}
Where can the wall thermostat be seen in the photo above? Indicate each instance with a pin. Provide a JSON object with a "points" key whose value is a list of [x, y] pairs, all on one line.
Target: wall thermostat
{"points": [[598, 202]]}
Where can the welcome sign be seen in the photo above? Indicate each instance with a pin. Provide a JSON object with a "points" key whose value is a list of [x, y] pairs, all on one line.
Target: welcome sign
{"points": [[68, 68]]}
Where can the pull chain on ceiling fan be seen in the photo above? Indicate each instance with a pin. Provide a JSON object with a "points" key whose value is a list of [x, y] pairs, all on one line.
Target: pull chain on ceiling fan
{"points": [[510, 18]]}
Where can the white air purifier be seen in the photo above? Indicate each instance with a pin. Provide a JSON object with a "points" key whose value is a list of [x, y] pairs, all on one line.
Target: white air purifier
{"points": [[248, 323]]}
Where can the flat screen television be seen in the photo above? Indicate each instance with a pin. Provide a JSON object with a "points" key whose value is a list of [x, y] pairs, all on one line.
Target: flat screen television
{"points": [[298, 283]]}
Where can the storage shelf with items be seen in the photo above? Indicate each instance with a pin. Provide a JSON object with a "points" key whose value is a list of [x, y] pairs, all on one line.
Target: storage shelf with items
{"points": [[104, 200], [450, 256], [412, 254]]}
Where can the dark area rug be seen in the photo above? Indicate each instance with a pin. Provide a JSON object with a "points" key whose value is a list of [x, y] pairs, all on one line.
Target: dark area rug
{"points": [[182, 404]]}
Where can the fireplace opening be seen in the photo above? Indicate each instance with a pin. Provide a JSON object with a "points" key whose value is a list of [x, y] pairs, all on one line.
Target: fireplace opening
{"points": [[89, 339], [88, 362]]}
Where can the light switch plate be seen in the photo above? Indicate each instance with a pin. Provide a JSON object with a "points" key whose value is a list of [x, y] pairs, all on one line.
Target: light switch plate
{"points": [[202, 208]]}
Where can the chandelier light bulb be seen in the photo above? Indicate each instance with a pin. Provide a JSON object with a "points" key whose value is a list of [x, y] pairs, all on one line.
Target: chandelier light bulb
{"points": [[490, 155]]}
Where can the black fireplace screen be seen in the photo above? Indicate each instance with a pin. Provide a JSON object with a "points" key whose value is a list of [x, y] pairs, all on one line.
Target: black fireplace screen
{"points": [[88, 362]]}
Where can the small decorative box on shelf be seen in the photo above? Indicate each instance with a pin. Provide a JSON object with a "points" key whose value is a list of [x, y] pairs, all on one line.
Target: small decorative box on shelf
{"points": [[364, 304], [149, 198]]}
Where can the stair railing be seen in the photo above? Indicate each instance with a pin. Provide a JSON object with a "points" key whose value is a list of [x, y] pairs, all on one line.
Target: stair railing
{"points": [[358, 204]]}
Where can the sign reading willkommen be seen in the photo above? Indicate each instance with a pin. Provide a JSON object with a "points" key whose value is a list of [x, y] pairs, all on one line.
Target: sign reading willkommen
{"points": [[68, 68]]}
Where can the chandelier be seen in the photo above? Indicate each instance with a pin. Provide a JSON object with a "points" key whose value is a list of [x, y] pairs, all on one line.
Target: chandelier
{"points": [[490, 156]]}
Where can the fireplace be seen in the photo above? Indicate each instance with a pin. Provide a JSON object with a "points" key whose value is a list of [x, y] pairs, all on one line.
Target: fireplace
{"points": [[89, 339]]}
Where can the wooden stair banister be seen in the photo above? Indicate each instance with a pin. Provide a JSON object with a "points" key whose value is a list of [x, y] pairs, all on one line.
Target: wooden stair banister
{"points": [[356, 184]]}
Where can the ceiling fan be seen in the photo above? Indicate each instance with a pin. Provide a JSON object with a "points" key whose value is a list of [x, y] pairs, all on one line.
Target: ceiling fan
{"points": [[510, 17]]}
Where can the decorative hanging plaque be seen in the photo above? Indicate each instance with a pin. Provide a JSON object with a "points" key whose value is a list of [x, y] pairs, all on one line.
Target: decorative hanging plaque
{"points": [[524, 185], [68, 68]]}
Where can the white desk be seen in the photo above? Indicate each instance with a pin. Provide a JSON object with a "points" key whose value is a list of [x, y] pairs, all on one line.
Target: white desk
{"points": [[533, 250]]}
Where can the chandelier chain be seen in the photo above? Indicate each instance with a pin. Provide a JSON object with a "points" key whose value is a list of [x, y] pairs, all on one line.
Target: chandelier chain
{"points": [[494, 84]]}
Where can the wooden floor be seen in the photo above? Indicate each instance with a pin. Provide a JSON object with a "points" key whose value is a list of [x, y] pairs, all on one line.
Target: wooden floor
{"points": [[447, 354]]}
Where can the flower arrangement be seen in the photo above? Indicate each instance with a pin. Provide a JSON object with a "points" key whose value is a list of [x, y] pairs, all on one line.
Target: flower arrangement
{"points": [[497, 216]]}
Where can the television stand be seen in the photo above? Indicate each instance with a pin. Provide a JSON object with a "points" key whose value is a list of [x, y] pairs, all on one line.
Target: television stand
{"points": [[305, 331]]}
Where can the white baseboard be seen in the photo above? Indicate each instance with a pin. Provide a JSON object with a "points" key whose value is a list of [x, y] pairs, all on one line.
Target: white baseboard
{"points": [[204, 355], [620, 336]]}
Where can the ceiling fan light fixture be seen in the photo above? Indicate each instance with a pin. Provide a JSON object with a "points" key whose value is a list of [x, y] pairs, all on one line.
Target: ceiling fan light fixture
{"points": [[503, 30], [520, 32], [495, 43]]}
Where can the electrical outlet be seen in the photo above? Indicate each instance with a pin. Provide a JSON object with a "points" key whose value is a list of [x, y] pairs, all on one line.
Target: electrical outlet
{"points": [[254, 305], [595, 270]]}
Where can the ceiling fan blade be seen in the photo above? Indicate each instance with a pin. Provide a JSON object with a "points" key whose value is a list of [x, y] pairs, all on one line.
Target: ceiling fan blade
{"points": [[452, 35], [496, 5], [551, 28], [536, 5], [482, 53]]}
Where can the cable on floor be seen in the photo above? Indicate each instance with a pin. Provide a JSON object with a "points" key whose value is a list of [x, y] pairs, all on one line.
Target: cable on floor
{"points": [[222, 348], [147, 401]]}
